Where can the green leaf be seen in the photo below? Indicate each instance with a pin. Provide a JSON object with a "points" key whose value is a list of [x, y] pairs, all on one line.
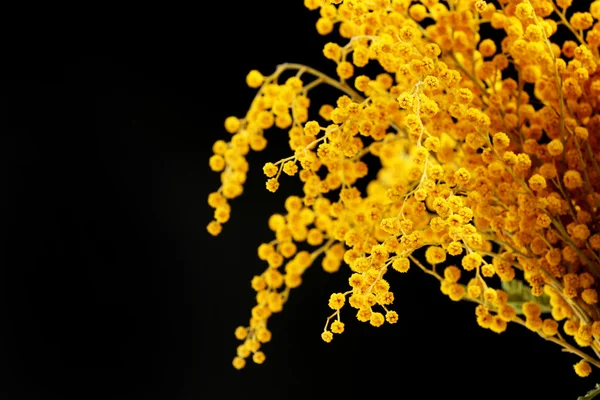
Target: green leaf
{"points": [[520, 293], [591, 394]]}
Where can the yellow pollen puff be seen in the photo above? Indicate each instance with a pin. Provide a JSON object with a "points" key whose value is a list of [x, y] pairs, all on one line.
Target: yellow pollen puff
{"points": [[432, 50], [337, 327], [239, 363], [390, 225], [572, 179], [312, 4], [292, 280], [216, 163], [487, 47], [406, 225], [452, 274], [435, 255], [314, 237], [580, 232], [287, 249], [506, 312], [327, 336], [295, 84], [429, 108], [498, 325], [270, 169], [501, 140], [571, 280], [332, 51], [524, 11], [336, 301], [360, 56], [583, 337], [523, 162], [509, 158], [432, 143], [596, 329], [259, 357], [275, 260], [537, 182], [356, 280], [232, 124], [431, 83], [258, 143], [550, 327], [265, 119], [216, 199], [391, 317], [581, 132], [312, 128], [361, 264], [263, 334], [454, 248], [253, 345], [254, 79], [243, 351], [595, 9], [420, 156], [531, 73], [582, 368], [471, 261], [330, 264], [361, 82], [290, 168], [241, 333], [376, 319], [481, 310], [485, 321], [564, 3], [456, 292], [345, 70], [465, 96], [293, 204], [480, 6], [405, 100], [533, 33], [555, 148], [328, 10], [548, 171], [590, 296], [488, 271], [586, 280], [265, 249], [401, 264], [258, 283], [385, 298], [534, 323], [474, 288], [220, 147], [462, 176], [364, 314], [272, 185], [418, 12], [214, 228], [324, 26], [531, 309], [581, 20]]}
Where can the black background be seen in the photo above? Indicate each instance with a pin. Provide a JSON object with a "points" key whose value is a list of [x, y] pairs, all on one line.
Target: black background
{"points": [[111, 287]]}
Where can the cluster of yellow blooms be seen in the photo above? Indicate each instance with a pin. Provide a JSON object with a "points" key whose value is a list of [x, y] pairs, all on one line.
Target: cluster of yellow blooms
{"points": [[486, 150]]}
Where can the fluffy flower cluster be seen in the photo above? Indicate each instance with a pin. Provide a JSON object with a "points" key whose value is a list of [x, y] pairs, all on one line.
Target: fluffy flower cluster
{"points": [[481, 152]]}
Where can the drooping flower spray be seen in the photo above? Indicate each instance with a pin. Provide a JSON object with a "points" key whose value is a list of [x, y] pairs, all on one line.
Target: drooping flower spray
{"points": [[487, 152]]}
